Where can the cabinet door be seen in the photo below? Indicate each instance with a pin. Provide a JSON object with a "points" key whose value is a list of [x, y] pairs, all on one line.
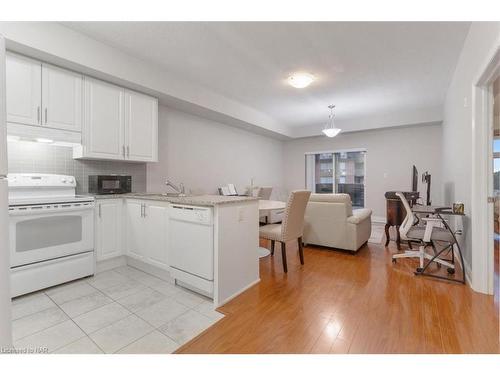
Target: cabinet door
{"points": [[156, 250], [24, 86], [103, 136], [135, 228], [141, 127], [61, 98], [108, 229]]}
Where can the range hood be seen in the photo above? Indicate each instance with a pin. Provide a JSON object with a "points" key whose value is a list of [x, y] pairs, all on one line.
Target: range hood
{"points": [[20, 132]]}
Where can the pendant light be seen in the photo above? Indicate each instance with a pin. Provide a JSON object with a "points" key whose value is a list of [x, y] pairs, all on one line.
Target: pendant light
{"points": [[330, 130]]}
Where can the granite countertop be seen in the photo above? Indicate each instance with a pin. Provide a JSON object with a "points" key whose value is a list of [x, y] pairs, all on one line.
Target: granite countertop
{"points": [[195, 200]]}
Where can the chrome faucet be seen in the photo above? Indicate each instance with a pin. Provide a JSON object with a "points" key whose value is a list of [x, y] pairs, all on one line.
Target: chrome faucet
{"points": [[178, 189]]}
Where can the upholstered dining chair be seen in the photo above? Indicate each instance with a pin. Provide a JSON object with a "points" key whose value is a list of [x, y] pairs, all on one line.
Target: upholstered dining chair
{"points": [[292, 226], [265, 192]]}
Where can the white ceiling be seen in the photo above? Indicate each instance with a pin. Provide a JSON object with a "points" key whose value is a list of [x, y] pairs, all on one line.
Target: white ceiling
{"points": [[368, 69]]}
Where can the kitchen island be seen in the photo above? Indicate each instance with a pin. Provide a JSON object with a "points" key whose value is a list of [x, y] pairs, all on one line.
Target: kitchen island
{"points": [[205, 243]]}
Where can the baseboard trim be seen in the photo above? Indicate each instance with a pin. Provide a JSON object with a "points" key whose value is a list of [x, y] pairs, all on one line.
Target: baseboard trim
{"points": [[378, 219], [468, 272], [109, 264], [220, 303], [149, 268]]}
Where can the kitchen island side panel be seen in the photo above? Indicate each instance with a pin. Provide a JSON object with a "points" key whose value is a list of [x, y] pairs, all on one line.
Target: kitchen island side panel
{"points": [[236, 257]]}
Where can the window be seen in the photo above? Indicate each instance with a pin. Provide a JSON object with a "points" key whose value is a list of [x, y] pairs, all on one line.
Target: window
{"points": [[337, 172]]}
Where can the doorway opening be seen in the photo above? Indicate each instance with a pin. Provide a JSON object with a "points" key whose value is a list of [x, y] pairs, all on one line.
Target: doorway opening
{"points": [[485, 151]]}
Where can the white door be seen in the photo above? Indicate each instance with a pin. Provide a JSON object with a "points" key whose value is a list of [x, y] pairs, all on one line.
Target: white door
{"points": [[103, 135], [24, 90], [495, 188], [5, 304], [108, 228], [135, 228], [156, 250], [141, 126], [61, 98], [5, 288], [3, 125]]}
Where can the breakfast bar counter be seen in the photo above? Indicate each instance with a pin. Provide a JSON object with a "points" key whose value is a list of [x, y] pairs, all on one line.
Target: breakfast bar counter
{"points": [[196, 200]]}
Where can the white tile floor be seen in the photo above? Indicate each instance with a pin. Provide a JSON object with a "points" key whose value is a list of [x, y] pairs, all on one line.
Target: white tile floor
{"points": [[123, 310]]}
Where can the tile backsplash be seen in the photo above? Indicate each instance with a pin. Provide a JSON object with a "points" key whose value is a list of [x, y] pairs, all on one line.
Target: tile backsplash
{"points": [[31, 157]]}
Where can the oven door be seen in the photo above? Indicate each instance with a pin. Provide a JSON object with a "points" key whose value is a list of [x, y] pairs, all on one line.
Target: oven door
{"points": [[39, 233]]}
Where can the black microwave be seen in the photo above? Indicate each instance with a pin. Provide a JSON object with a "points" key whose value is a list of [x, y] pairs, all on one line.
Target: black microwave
{"points": [[110, 184]]}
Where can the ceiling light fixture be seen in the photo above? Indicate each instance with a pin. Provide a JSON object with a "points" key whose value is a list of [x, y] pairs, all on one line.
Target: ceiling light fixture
{"points": [[330, 130], [300, 80]]}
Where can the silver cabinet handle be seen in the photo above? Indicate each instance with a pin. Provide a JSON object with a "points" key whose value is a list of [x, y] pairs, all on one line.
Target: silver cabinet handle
{"points": [[123, 151], [38, 115], [45, 115], [99, 210], [145, 210], [128, 151], [142, 209]]}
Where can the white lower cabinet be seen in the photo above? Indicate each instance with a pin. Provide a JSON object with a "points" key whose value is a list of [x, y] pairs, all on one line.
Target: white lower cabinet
{"points": [[134, 228], [108, 228], [156, 219], [147, 231]]}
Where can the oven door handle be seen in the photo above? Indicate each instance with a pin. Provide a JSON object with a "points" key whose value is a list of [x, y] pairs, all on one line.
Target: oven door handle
{"points": [[43, 211]]}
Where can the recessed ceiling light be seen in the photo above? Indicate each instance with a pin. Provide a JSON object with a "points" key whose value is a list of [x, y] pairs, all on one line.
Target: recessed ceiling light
{"points": [[44, 140], [300, 80]]}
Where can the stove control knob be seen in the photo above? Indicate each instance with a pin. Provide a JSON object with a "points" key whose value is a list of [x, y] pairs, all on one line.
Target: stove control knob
{"points": [[63, 180], [71, 180]]}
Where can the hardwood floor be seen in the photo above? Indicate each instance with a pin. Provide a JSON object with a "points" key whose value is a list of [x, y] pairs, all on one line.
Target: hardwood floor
{"points": [[343, 303]]}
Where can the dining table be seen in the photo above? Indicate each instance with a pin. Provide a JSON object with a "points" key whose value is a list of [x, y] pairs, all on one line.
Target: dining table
{"points": [[265, 207]]}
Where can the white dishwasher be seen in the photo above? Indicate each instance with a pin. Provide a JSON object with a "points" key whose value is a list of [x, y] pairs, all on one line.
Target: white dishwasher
{"points": [[191, 247]]}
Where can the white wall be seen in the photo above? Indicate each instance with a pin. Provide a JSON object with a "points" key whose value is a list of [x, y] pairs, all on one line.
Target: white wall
{"points": [[204, 154], [458, 122], [391, 153]]}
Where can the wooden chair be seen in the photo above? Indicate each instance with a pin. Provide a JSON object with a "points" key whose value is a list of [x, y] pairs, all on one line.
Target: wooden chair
{"points": [[292, 226]]}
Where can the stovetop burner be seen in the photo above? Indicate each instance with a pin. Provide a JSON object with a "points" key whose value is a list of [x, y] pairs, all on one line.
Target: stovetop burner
{"points": [[38, 189]]}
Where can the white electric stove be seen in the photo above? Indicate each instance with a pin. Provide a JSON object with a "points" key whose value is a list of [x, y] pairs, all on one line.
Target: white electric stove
{"points": [[51, 231]]}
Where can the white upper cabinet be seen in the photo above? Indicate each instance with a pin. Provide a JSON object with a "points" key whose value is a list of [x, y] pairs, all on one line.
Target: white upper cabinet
{"points": [[24, 90], [61, 98], [141, 124], [103, 127], [44, 95], [115, 123], [118, 124]]}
